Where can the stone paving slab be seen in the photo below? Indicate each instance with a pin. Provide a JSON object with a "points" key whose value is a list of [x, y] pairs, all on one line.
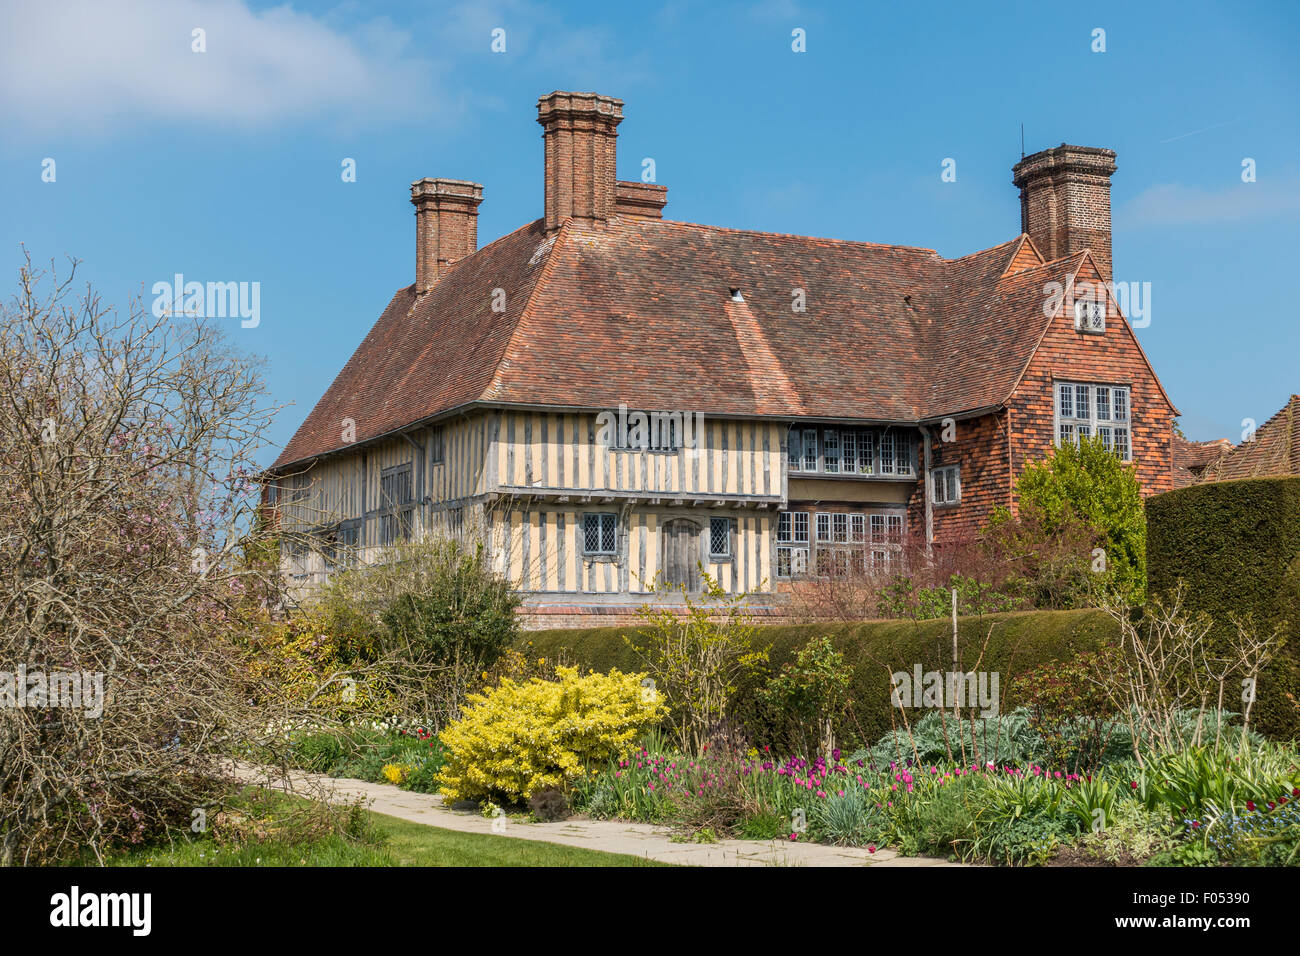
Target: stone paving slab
{"points": [[610, 836]]}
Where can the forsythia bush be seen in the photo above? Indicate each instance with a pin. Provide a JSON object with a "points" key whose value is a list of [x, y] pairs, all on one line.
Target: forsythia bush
{"points": [[518, 738]]}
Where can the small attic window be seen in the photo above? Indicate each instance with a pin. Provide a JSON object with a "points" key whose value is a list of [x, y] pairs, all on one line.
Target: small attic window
{"points": [[736, 296], [1089, 315]]}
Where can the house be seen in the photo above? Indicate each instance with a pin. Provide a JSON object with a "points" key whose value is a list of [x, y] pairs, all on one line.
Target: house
{"points": [[607, 396], [1191, 458], [1272, 451]]}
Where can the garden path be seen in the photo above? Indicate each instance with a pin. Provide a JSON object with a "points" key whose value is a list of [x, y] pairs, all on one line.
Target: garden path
{"points": [[610, 836]]}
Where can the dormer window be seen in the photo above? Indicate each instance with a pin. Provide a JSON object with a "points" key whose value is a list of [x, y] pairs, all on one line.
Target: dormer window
{"points": [[1089, 315], [736, 296]]}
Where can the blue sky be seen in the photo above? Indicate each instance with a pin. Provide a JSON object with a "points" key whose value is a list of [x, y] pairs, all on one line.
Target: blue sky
{"points": [[225, 165]]}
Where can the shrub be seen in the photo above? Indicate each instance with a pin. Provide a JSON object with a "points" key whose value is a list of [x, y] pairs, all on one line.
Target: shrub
{"points": [[518, 738], [697, 659], [1061, 700], [905, 597], [1088, 483], [1235, 545], [1046, 561], [317, 753], [1016, 643], [808, 697]]}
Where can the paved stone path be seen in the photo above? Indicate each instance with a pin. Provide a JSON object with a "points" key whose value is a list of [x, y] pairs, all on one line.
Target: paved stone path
{"points": [[611, 836]]}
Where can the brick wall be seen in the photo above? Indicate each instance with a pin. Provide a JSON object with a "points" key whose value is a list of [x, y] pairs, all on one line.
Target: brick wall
{"points": [[1110, 358], [990, 467], [980, 449]]}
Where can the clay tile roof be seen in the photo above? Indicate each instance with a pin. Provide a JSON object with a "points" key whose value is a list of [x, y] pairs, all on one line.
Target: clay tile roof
{"points": [[1273, 451], [639, 311]]}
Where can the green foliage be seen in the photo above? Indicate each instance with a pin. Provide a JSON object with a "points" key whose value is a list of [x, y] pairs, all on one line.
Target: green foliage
{"points": [[1064, 698], [851, 819], [808, 697], [1091, 484], [1196, 780], [1013, 644], [463, 612], [1236, 546], [362, 752], [902, 597], [696, 659], [317, 753]]}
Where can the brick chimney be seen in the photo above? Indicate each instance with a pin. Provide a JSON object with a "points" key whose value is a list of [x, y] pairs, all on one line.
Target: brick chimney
{"points": [[1065, 201], [580, 133], [446, 226]]}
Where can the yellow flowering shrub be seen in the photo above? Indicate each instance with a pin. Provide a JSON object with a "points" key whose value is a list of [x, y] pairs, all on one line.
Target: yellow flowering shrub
{"points": [[323, 659], [395, 772], [521, 737]]}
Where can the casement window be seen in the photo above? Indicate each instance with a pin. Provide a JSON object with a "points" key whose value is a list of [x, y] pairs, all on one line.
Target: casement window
{"points": [[346, 542], [886, 529], [841, 543], [831, 451], [895, 453], [791, 543], [438, 445], [720, 539], [600, 533], [397, 497], [395, 487], [661, 431], [395, 527], [850, 451], [945, 485], [1084, 411], [810, 449], [1090, 315]]}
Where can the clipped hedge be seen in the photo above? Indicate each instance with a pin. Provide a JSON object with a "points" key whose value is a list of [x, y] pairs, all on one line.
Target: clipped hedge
{"points": [[1019, 642], [1236, 545]]}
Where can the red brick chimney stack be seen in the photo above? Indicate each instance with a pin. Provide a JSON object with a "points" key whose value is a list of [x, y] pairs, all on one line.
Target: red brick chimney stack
{"points": [[1065, 201], [580, 134], [446, 226]]}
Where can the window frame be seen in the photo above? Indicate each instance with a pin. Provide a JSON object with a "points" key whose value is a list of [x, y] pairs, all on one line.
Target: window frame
{"points": [[1117, 424], [600, 532], [836, 451], [729, 524], [949, 477]]}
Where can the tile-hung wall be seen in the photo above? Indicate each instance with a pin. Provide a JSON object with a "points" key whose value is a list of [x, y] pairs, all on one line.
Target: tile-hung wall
{"points": [[543, 548], [538, 451]]}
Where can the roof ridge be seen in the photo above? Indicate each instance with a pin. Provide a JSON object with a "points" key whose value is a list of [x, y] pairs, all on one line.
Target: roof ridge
{"points": [[775, 235]]}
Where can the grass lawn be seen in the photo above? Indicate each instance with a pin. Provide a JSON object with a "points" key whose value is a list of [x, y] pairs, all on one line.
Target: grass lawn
{"points": [[387, 841]]}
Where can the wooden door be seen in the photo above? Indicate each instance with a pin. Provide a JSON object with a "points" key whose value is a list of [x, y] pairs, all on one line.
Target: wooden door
{"points": [[681, 553]]}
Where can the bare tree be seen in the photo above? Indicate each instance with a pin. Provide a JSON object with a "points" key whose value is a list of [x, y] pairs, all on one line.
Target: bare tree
{"points": [[127, 447]]}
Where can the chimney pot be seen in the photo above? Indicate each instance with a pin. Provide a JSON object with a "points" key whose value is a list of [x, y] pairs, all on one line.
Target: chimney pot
{"points": [[446, 226], [1065, 201]]}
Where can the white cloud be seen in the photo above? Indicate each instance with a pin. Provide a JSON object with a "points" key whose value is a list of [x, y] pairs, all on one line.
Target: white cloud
{"points": [[1174, 204], [74, 64]]}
